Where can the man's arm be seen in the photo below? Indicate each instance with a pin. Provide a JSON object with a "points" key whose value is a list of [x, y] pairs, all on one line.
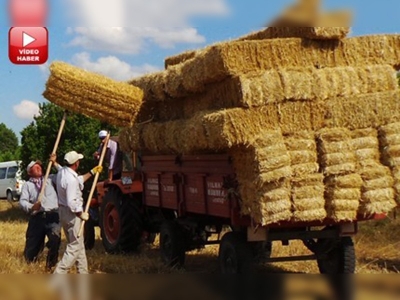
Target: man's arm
{"points": [[24, 200]]}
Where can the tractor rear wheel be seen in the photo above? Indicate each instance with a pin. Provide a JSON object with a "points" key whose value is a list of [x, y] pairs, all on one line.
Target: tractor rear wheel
{"points": [[121, 222]]}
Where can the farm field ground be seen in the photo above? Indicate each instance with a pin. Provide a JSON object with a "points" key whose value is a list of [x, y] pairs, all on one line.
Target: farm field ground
{"points": [[377, 249]]}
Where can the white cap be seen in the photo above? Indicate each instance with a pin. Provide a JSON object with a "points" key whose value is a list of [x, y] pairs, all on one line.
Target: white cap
{"points": [[72, 157], [32, 163], [103, 134]]}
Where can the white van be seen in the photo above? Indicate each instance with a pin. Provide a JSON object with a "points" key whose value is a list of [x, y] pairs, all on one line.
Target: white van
{"points": [[10, 180]]}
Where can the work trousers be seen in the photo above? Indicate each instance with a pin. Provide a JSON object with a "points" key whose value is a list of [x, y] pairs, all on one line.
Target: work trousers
{"points": [[41, 225], [75, 251]]}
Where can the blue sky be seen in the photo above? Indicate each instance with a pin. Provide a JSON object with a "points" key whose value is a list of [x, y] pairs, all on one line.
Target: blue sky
{"points": [[127, 38]]}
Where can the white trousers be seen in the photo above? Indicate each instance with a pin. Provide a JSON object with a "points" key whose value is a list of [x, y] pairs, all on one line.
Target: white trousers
{"points": [[75, 252]]}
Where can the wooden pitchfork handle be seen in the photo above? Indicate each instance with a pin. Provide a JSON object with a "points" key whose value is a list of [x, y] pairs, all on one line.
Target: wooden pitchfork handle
{"points": [[96, 177], [60, 130]]}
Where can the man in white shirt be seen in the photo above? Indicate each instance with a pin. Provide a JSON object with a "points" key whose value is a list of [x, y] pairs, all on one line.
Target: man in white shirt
{"points": [[44, 218], [69, 188]]}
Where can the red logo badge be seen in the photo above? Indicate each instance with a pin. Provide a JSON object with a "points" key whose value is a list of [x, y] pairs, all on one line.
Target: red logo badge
{"points": [[28, 45]]}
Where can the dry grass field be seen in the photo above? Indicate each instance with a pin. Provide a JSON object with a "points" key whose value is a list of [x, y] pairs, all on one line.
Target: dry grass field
{"points": [[377, 248]]}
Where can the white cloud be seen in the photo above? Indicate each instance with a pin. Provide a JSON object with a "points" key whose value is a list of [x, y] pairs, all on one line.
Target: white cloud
{"points": [[124, 26], [45, 69], [130, 40], [26, 110], [139, 13], [111, 66]]}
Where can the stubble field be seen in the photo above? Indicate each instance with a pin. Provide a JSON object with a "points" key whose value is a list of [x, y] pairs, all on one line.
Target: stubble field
{"points": [[377, 249]]}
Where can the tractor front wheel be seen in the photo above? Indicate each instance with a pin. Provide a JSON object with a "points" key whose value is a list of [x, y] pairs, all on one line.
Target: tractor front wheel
{"points": [[121, 222]]}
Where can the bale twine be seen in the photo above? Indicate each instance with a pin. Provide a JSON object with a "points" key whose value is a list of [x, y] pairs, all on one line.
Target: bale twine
{"points": [[93, 95], [342, 195], [307, 194], [335, 153]]}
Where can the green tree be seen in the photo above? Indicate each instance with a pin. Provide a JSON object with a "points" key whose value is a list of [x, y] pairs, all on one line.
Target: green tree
{"points": [[398, 77], [80, 134], [8, 144]]}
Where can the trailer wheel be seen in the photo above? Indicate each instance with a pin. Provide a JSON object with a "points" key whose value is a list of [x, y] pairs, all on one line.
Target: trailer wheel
{"points": [[121, 222], [235, 254], [341, 259], [172, 244]]}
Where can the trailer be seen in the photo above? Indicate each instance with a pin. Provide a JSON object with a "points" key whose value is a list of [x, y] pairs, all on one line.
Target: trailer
{"points": [[189, 198]]}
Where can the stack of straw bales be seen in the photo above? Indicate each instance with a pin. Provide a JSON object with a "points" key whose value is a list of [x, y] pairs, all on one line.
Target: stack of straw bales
{"points": [[377, 193], [307, 192], [299, 108], [317, 94], [389, 137], [263, 178], [338, 164]]}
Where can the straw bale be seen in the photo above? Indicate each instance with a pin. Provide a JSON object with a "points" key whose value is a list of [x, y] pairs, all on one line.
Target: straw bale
{"points": [[93, 95], [317, 33], [340, 169], [268, 164], [179, 58], [343, 193], [302, 157], [333, 159], [369, 110], [267, 204], [262, 88], [309, 179], [365, 138], [327, 136], [225, 128], [222, 60], [294, 144], [377, 207], [309, 215], [308, 191], [372, 170], [276, 174], [338, 216], [294, 116], [390, 152], [351, 181], [303, 169], [308, 202], [390, 129], [129, 138], [345, 204], [364, 154], [379, 195], [304, 204], [366, 145], [336, 147]]}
